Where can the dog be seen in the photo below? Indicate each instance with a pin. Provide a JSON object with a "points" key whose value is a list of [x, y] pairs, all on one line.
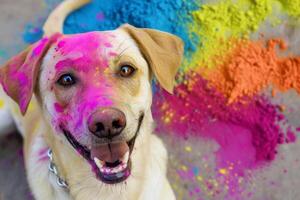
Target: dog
{"points": [[82, 103]]}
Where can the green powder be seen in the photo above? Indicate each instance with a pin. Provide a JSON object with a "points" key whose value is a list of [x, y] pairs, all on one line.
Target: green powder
{"points": [[214, 24]]}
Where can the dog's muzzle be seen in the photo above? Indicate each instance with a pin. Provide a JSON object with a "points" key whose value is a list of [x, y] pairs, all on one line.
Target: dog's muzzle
{"points": [[110, 161]]}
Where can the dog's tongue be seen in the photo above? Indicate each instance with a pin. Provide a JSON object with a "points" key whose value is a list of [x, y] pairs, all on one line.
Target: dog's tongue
{"points": [[110, 152]]}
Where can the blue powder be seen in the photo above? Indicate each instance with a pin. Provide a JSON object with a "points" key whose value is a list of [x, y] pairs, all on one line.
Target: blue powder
{"points": [[2, 53], [32, 33], [195, 171], [166, 15]]}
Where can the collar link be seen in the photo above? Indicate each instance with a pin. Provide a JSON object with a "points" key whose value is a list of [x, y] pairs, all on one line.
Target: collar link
{"points": [[53, 169]]}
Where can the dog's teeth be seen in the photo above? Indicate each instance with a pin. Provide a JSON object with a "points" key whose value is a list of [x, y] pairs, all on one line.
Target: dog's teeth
{"points": [[116, 170], [124, 165], [102, 170], [119, 168], [99, 163], [125, 157]]}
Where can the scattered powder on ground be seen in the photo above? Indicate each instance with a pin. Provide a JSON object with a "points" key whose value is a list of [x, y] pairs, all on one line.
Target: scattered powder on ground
{"points": [[196, 105], [254, 65]]}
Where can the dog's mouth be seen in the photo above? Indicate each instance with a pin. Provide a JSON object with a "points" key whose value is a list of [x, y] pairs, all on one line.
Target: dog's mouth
{"points": [[110, 162]]}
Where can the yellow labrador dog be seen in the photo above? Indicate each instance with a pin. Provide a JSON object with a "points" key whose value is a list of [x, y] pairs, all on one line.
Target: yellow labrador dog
{"points": [[82, 103]]}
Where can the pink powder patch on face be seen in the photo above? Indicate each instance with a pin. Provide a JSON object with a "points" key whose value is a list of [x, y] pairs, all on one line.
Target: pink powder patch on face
{"points": [[95, 100], [107, 44], [58, 108], [112, 54], [87, 57], [84, 52]]}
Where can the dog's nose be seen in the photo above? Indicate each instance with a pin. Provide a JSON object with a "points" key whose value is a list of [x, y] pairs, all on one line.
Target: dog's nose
{"points": [[107, 122]]}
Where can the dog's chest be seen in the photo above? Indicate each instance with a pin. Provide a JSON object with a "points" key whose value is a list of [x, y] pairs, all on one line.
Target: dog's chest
{"points": [[42, 182]]}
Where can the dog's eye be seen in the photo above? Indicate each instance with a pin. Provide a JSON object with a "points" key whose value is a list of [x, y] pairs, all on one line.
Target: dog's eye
{"points": [[66, 80], [126, 70]]}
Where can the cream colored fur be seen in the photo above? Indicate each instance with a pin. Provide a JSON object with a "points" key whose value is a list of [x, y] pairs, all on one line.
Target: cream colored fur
{"points": [[149, 158]]}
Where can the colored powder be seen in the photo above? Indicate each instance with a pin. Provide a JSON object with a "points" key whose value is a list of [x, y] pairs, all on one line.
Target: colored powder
{"points": [[1, 103], [165, 15], [33, 31], [292, 7], [196, 104], [215, 23], [236, 146], [247, 133], [2, 53], [236, 153], [290, 137], [252, 66], [32, 34]]}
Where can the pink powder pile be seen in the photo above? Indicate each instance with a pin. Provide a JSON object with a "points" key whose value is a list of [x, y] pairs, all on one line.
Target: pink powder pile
{"points": [[195, 106]]}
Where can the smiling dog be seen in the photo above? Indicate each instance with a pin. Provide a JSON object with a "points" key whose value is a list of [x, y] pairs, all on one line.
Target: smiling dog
{"points": [[85, 110]]}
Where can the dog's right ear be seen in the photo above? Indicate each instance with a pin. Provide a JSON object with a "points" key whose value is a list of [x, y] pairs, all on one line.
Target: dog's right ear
{"points": [[19, 75]]}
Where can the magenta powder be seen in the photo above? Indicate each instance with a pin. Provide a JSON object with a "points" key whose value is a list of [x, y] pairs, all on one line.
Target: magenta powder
{"points": [[198, 109]]}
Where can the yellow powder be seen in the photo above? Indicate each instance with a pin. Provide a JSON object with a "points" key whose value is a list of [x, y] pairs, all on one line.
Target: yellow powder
{"points": [[292, 7], [1, 103], [215, 23]]}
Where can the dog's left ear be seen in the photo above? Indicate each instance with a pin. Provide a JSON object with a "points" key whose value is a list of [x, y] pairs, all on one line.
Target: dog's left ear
{"points": [[163, 52], [19, 75]]}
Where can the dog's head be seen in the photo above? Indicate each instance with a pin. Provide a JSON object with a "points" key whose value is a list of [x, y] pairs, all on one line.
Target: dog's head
{"points": [[95, 89]]}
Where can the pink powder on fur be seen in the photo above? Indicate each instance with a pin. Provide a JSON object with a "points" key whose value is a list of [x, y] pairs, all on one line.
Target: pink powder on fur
{"points": [[21, 71], [42, 154], [38, 50], [58, 108], [86, 56], [85, 52]]}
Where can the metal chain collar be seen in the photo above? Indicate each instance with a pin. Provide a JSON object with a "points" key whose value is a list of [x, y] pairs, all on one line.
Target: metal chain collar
{"points": [[53, 169]]}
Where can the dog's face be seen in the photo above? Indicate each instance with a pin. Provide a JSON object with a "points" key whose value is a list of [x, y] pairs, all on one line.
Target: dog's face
{"points": [[95, 89]]}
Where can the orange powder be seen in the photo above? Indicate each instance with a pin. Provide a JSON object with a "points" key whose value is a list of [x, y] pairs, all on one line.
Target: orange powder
{"points": [[254, 65]]}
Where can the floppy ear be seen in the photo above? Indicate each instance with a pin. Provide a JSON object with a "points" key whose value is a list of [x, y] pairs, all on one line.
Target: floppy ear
{"points": [[19, 75], [163, 52]]}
